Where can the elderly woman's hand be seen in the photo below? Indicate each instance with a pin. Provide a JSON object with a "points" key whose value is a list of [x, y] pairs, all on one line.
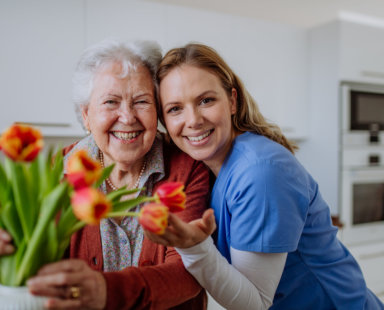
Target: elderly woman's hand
{"points": [[185, 235], [70, 284], [5, 243]]}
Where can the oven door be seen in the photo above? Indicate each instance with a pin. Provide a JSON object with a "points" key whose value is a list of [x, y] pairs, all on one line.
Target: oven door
{"points": [[362, 205]]}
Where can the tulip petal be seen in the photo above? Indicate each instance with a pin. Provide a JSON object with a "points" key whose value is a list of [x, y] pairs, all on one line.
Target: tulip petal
{"points": [[172, 195], [90, 205], [21, 143], [154, 217], [82, 170]]}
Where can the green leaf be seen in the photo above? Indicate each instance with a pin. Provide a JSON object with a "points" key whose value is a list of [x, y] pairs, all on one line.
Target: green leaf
{"points": [[115, 196], [49, 209], [65, 223], [51, 245], [9, 264], [126, 205], [4, 186], [104, 174], [11, 222], [47, 182], [77, 226], [42, 167], [122, 213], [34, 182], [7, 270], [58, 165], [19, 183]]}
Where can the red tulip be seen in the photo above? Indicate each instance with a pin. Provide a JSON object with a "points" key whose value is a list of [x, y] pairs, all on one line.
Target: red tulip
{"points": [[90, 205], [82, 171], [154, 217], [172, 195], [21, 142]]}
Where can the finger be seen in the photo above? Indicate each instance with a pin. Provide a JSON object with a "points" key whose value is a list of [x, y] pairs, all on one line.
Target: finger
{"points": [[160, 239], [36, 288], [58, 286], [55, 303], [41, 284], [177, 226], [6, 248], [5, 236], [67, 265], [208, 224]]}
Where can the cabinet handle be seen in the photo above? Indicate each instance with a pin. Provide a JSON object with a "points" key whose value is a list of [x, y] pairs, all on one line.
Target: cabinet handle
{"points": [[380, 294], [374, 74], [372, 255], [60, 125]]}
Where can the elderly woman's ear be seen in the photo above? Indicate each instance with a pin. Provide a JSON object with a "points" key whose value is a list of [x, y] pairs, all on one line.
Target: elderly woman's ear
{"points": [[84, 115]]}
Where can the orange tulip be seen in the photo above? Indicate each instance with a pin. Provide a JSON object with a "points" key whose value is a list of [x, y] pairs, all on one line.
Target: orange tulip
{"points": [[154, 217], [90, 205], [172, 195], [21, 142], [82, 171]]}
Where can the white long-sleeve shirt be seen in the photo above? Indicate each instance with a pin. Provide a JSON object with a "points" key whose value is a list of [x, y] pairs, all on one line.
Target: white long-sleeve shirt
{"points": [[249, 283]]}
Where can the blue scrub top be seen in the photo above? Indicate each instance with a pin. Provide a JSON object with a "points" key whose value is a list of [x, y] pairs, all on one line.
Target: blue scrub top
{"points": [[265, 201]]}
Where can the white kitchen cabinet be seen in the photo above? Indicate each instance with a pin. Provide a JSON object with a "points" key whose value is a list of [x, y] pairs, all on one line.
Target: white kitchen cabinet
{"points": [[338, 51], [370, 257], [361, 52], [341, 51], [185, 25], [271, 59], [40, 43]]}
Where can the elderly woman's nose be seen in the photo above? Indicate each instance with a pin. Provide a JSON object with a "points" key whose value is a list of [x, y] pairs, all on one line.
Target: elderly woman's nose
{"points": [[127, 114]]}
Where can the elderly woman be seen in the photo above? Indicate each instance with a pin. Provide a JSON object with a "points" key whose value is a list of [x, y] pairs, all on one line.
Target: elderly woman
{"points": [[113, 265]]}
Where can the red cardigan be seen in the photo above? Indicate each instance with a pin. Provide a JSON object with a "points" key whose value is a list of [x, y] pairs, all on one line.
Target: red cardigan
{"points": [[160, 281]]}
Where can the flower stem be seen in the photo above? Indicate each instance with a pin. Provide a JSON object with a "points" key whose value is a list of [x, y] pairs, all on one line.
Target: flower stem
{"points": [[122, 213]]}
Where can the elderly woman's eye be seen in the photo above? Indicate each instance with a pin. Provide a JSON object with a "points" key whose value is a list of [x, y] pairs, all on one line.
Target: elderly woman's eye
{"points": [[110, 102], [141, 102]]}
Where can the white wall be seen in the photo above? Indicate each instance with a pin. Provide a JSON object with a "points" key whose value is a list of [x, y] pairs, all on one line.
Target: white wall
{"points": [[43, 39]]}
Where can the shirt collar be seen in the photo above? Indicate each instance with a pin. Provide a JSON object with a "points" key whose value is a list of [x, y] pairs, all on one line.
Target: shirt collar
{"points": [[154, 170]]}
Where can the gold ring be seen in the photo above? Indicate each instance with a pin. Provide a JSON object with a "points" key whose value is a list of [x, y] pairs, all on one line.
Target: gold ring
{"points": [[74, 292]]}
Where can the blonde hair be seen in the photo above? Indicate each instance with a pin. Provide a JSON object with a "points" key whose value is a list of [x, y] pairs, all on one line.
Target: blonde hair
{"points": [[247, 116]]}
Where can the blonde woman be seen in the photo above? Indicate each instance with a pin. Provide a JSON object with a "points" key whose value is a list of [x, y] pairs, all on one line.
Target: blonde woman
{"points": [[276, 246]]}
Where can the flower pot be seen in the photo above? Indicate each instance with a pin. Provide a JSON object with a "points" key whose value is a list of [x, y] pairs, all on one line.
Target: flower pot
{"points": [[19, 298]]}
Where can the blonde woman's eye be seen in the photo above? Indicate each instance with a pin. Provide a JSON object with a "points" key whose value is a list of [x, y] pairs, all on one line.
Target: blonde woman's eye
{"points": [[207, 100], [173, 110]]}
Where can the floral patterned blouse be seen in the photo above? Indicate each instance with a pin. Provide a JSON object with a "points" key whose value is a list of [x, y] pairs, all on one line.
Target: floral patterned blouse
{"points": [[122, 243]]}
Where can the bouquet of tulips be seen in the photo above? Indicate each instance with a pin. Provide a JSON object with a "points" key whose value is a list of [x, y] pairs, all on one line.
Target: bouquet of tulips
{"points": [[41, 208]]}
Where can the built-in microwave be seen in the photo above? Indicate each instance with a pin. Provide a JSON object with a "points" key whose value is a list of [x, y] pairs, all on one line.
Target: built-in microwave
{"points": [[362, 113], [362, 163]]}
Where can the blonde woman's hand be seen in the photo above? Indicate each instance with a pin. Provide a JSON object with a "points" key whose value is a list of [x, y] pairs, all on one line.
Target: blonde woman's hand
{"points": [[6, 246], [185, 235], [70, 284]]}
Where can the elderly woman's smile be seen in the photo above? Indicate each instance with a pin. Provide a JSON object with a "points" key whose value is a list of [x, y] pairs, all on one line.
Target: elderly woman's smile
{"points": [[126, 136], [122, 113]]}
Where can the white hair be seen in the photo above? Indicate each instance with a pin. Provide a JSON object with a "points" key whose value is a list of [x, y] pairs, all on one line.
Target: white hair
{"points": [[128, 54]]}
